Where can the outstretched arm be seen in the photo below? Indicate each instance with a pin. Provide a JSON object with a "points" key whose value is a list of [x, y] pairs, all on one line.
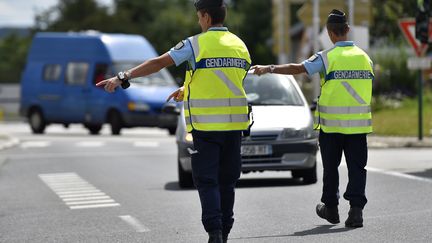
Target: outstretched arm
{"points": [[290, 68], [148, 67]]}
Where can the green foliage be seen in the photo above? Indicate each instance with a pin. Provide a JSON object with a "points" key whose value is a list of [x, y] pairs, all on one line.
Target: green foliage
{"points": [[406, 114], [13, 53], [391, 72]]}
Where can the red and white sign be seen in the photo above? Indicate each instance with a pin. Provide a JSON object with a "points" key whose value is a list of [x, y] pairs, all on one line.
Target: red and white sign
{"points": [[408, 29]]}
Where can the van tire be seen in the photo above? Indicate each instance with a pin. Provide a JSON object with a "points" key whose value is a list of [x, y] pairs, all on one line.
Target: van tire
{"points": [[36, 121], [94, 129], [115, 121], [172, 130], [184, 178]]}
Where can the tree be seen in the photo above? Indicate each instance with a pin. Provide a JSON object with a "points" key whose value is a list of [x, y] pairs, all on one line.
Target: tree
{"points": [[13, 53]]}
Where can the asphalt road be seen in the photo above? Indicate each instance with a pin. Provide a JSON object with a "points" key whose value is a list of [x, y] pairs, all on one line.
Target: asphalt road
{"points": [[67, 186]]}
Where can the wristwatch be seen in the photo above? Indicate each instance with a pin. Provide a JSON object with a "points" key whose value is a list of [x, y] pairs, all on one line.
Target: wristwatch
{"points": [[272, 68], [124, 78]]}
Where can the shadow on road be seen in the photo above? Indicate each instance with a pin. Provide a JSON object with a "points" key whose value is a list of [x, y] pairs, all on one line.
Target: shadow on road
{"points": [[426, 173], [320, 229], [246, 183]]}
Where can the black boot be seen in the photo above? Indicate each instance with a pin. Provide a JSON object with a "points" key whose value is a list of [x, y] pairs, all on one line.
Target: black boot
{"points": [[225, 237], [215, 237], [330, 214], [355, 218]]}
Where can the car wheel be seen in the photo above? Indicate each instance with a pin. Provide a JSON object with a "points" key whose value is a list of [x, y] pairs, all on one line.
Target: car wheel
{"points": [[94, 129], [172, 130], [184, 177], [37, 121], [309, 176], [115, 121]]}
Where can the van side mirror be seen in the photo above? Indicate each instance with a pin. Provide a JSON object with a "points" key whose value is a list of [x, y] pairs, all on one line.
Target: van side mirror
{"points": [[171, 108]]}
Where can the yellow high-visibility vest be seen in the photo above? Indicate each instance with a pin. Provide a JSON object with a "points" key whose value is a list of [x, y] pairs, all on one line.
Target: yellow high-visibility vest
{"points": [[344, 105], [214, 98]]}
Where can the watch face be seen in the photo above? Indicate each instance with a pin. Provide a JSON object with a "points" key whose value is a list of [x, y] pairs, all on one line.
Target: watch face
{"points": [[121, 75]]}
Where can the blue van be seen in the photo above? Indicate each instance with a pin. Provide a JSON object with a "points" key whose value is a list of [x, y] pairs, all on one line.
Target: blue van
{"points": [[58, 83]]}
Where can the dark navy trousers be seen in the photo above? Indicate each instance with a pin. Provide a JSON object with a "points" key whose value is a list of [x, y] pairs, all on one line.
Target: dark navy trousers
{"points": [[216, 167], [354, 147]]}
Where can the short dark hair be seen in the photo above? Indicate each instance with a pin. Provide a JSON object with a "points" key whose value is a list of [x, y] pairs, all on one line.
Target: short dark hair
{"points": [[338, 29], [217, 14]]}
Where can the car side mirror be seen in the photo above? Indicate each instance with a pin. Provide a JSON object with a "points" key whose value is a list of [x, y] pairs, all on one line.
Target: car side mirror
{"points": [[171, 108]]}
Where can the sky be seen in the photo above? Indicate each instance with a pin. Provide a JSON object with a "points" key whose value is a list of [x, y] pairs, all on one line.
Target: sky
{"points": [[21, 13]]}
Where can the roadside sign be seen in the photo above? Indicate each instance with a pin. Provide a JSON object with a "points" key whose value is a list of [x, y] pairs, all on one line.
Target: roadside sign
{"points": [[408, 29], [419, 63]]}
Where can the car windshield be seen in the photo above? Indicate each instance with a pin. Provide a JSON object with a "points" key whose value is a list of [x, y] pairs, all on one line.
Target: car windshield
{"points": [[161, 78], [271, 89]]}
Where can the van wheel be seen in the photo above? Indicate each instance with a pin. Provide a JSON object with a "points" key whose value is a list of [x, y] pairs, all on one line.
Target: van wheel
{"points": [[172, 130], [37, 121], [94, 129], [309, 176], [115, 122], [184, 178]]}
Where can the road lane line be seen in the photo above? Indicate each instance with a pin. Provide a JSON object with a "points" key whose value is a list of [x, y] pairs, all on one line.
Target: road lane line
{"points": [[399, 174], [135, 223], [90, 202], [76, 192], [74, 199], [90, 144], [146, 144], [95, 206], [83, 194], [35, 144]]}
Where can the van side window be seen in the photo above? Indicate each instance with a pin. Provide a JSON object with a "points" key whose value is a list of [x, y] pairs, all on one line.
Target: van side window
{"points": [[51, 72], [76, 73], [101, 71]]}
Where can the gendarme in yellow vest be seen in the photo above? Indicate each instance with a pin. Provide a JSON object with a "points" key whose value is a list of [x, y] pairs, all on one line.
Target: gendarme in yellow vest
{"points": [[214, 98], [344, 105]]}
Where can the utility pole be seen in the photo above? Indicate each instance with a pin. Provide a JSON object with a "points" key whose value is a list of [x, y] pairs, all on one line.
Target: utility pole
{"points": [[282, 55], [351, 18], [316, 48]]}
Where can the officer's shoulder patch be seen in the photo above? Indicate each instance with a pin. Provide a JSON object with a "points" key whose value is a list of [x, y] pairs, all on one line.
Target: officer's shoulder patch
{"points": [[313, 57], [179, 45]]}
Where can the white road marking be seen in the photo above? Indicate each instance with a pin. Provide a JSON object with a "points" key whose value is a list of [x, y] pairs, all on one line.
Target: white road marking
{"points": [[135, 223], [90, 144], [76, 192], [35, 144], [90, 202], [74, 199], [146, 144], [398, 174], [95, 206]]}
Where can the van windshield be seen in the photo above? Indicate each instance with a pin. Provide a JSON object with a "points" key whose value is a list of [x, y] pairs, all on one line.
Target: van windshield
{"points": [[161, 78]]}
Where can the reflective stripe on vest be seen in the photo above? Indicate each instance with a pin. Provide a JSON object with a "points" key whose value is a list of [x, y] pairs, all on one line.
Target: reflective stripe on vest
{"points": [[218, 118], [343, 123], [344, 109], [208, 103]]}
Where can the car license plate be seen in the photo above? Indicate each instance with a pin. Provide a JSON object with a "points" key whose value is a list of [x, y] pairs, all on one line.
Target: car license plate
{"points": [[250, 150]]}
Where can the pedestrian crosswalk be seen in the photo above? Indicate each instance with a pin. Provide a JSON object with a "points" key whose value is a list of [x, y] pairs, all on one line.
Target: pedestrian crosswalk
{"points": [[76, 192], [86, 144]]}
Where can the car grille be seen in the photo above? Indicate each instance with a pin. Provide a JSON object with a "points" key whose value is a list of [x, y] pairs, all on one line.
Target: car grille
{"points": [[260, 159], [267, 137]]}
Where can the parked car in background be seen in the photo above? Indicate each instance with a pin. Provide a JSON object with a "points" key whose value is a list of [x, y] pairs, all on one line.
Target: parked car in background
{"points": [[58, 83], [282, 137]]}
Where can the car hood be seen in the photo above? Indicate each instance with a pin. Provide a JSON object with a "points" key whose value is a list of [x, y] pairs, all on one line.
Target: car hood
{"points": [[150, 94], [278, 117]]}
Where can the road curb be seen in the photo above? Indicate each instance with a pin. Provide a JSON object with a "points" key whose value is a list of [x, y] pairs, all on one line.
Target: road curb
{"points": [[7, 141], [398, 142]]}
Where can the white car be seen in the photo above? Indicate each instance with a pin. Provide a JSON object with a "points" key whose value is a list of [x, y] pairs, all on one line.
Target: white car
{"points": [[282, 137]]}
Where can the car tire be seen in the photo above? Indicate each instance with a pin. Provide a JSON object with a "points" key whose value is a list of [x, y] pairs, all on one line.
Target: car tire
{"points": [[115, 121], [184, 178], [172, 130], [37, 121], [94, 129], [309, 176]]}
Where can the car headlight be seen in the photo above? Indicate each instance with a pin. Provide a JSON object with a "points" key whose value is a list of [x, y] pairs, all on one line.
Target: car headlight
{"points": [[188, 137], [132, 106], [291, 133]]}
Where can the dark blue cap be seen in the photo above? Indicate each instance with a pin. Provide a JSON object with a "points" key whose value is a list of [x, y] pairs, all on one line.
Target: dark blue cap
{"points": [[336, 17], [204, 4]]}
